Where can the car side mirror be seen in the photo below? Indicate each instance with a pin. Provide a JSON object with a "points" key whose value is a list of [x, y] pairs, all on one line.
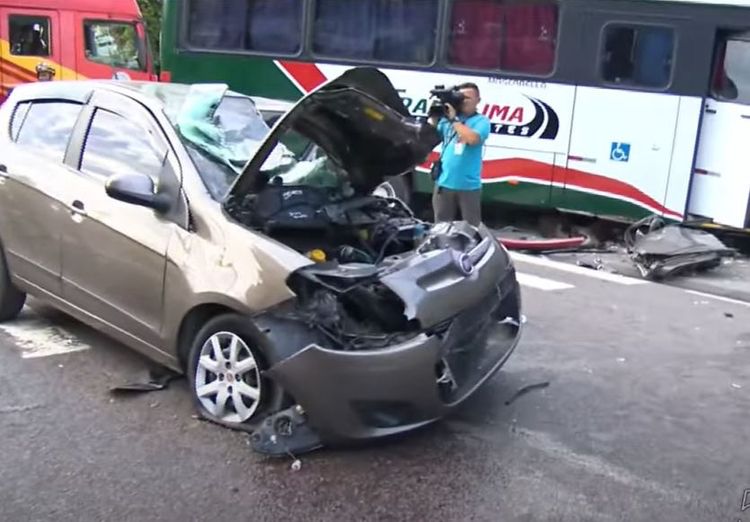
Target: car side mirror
{"points": [[136, 189]]}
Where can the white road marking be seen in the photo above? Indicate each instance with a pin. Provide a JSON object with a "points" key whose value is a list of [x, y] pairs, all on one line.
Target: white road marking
{"points": [[37, 338], [719, 298], [541, 283], [574, 269]]}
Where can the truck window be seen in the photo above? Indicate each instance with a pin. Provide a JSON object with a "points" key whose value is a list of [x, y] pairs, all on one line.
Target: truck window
{"points": [[732, 72], [266, 26], [504, 35], [398, 31], [114, 44], [29, 35], [639, 56], [47, 127]]}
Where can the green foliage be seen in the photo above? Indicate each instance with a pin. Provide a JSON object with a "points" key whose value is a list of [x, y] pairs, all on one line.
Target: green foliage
{"points": [[151, 10]]}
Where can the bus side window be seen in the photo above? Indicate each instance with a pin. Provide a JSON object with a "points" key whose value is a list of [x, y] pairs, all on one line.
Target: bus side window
{"points": [[267, 26], [731, 80], [509, 36], [29, 35], [475, 37], [637, 55], [400, 31]]}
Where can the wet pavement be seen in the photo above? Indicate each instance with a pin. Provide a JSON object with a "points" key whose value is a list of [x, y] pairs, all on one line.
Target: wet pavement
{"points": [[645, 418]]}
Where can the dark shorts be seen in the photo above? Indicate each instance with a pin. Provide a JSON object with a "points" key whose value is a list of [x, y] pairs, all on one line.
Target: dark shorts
{"points": [[450, 205]]}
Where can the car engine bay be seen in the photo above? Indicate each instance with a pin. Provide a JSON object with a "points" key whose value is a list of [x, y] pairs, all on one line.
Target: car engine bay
{"points": [[355, 242]]}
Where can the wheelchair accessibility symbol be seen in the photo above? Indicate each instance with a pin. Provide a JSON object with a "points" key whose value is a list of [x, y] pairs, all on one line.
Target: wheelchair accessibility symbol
{"points": [[619, 151]]}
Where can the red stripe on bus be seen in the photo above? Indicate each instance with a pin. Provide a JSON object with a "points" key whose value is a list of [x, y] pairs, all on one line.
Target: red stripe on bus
{"points": [[573, 178], [306, 74]]}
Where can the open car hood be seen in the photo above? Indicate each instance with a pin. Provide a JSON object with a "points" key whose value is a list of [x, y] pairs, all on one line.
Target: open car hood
{"points": [[361, 123]]}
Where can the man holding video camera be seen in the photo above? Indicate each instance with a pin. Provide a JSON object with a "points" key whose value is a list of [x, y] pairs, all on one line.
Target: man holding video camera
{"points": [[457, 174]]}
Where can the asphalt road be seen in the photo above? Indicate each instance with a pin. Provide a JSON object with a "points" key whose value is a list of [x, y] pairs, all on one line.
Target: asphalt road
{"points": [[645, 418]]}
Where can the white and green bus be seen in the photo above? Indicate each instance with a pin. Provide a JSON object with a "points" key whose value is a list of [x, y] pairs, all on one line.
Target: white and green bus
{"points": [[612, 108]]}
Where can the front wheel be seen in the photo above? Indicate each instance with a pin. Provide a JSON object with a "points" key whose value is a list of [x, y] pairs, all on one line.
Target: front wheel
{"points": [[225, 374]]}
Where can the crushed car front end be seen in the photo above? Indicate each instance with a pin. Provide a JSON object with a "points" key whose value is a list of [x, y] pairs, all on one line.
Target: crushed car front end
{"points": [[462, 307], [394, 320]]}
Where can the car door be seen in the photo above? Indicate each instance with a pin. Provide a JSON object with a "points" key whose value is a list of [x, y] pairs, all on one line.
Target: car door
{"points": [[114, 253], [33, 181]]}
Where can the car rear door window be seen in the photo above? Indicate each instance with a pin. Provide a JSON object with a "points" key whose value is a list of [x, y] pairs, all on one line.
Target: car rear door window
{"points": [[47, 128], [116, 145]]}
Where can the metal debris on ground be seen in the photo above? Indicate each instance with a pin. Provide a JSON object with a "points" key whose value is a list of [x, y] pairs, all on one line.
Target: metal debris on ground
{"points": [[661, 250], [525, 390], [158, 379]]}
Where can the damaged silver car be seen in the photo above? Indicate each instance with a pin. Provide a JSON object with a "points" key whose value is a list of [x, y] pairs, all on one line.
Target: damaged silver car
{"points": [[259, 261]]}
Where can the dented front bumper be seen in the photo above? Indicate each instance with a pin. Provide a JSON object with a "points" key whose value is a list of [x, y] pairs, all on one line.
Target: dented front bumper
{"points": [[356, 395]]}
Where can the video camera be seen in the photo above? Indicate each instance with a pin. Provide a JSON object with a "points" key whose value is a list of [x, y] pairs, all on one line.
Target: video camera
{"points": [[452, 96]]}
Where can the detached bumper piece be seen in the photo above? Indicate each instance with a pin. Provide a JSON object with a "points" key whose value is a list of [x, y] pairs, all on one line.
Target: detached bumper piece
{"points": [[349, 396], [285, 433]]}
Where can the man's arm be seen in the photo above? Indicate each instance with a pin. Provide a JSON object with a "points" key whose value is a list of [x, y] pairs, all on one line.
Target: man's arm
{"points": [[465, 133]]}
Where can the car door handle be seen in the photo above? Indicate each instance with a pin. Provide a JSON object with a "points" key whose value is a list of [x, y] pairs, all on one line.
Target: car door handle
{"points": [[78, 208]]}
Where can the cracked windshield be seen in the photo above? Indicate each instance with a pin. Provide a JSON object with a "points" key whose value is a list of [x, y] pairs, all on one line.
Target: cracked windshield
{"points": [[223, 132]]}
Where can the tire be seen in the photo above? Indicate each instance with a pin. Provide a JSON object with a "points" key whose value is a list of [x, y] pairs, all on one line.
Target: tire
{"points": [[11, 298], [217, 383]]}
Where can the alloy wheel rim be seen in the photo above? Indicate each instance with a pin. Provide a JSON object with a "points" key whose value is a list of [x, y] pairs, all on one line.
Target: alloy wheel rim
{"points": [[227, 378]]}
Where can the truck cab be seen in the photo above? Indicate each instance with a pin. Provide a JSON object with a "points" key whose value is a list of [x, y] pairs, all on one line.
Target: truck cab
{"points": [[42, 40]]}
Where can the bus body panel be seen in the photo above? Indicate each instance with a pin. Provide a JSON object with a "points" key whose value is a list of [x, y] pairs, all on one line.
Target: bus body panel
{"points": [[525, 169], [722, 178], [683, 154], [530, 123], [621, 150], [629, 160]]}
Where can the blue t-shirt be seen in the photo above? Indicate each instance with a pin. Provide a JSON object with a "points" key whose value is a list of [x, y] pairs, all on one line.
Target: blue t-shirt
{"points": [[462, 165]]}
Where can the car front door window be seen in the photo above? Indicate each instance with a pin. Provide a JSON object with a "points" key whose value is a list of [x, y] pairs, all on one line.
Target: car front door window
{"points": [[115, 145]]}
